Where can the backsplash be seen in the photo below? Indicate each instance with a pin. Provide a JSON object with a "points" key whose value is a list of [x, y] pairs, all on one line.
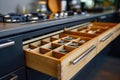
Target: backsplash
{"points": [[18, 6]]}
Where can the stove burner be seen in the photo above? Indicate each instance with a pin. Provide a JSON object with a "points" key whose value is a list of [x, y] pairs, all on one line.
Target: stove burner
{"points": [[13, 17]]}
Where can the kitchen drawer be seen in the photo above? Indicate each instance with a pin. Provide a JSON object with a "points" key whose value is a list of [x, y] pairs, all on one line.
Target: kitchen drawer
{"points": [[116, 31], [18, 74], [59, 56], [11, 55]]}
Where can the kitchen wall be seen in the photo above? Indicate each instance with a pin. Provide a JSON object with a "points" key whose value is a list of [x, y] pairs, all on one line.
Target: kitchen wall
{"points": [[8, 6]]}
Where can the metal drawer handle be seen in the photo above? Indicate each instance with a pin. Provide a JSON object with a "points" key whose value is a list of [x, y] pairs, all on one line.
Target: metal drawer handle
{"points": [[15, 77], [103, 17], [7, 44], [106, 37], [83, 55]]}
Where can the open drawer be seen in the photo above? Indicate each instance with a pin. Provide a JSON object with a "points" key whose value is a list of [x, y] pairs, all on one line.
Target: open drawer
{"points": [[58, 57]]}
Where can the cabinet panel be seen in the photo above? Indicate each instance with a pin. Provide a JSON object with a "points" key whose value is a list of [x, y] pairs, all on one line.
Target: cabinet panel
{"points": [[15, 75], [11, 55]]}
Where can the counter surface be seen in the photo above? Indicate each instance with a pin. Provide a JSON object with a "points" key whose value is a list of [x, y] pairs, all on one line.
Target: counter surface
{"points": [[7, 29]]}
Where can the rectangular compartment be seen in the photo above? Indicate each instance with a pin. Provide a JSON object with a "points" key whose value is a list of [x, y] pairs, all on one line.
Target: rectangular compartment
{"points": [[79, 34], [58, 36], [50, 39], [29, 47], [64, 49], [51, 46], [40, 50], [70, 38], [61, 42], [39, 43]]}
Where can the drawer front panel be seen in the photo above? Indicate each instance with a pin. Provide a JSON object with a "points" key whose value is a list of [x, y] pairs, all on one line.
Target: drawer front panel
{"points": [[11, 55], [77, 60], [16, 75], [104, 39], [116, 31]]}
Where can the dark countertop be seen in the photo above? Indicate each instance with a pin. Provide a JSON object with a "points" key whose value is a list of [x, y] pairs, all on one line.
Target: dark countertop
{"points": [[7, 29]]}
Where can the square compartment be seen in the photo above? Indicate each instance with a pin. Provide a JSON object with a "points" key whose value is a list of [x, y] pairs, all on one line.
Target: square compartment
{"points": [[29, 47]]}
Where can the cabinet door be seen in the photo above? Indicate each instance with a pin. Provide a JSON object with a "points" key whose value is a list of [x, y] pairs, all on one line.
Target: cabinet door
{"points": [[16, 75], [11, 55]]}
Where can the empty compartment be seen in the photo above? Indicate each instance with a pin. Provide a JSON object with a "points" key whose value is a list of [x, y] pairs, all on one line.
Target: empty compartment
{"points": [[29, 47], [40, 50], [50, 39], [39, 43], [58, 36], [51, 46]]}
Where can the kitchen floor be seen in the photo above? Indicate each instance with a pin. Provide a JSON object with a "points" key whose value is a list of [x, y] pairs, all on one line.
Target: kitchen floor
{"points": [[109, 70]]}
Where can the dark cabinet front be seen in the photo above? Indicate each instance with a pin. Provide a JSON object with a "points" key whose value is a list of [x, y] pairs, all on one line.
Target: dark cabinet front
{"points": [[16, 75], [11, 55]]}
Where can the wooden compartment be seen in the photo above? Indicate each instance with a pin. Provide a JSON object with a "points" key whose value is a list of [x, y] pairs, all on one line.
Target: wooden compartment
{"points": [[39, 43], [58, 36], [79, 34], [40, 50], [61, 42], [64, 49], [74, 44], [70, 38], [29, 47], [51, 46], [105, 24], [49, 39]]}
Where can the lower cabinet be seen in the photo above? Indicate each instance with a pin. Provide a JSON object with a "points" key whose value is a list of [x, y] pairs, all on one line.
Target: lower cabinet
{"points": [[19, 74]]}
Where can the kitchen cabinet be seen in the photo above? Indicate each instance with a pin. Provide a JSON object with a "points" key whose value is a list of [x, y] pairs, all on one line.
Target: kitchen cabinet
{"points": [[11, 55]]}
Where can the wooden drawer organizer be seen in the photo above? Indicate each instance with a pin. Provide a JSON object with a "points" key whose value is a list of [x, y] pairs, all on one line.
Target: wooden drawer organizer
{"points": [[64, 54]]}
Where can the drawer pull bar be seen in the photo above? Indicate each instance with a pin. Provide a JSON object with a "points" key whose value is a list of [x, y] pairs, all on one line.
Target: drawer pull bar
{"points": [[103, 17], [7, 44], [83, 55], [15, 77], [106, 37], [117, 30]]}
